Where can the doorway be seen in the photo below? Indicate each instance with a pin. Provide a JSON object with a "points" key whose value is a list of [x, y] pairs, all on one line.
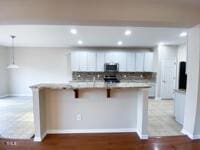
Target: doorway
{"points": [[161, 111]]}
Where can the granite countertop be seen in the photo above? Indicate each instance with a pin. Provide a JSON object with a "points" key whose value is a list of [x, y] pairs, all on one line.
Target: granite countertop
{"points": [[88, 85]]}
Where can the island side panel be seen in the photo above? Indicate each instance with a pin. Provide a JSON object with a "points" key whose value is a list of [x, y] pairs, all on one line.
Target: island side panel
{"points": [[39, 114], [142, 113], [98, 113]]}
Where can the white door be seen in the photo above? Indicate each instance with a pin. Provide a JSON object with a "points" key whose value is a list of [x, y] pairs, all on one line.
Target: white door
{"points": [[168, 78]]}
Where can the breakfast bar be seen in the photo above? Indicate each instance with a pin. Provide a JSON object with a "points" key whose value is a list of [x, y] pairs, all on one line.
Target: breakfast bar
{"points": [[90, 107]]}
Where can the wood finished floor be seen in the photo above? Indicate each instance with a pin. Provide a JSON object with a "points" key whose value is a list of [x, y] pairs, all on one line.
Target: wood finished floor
{"points": [[114, 141]]}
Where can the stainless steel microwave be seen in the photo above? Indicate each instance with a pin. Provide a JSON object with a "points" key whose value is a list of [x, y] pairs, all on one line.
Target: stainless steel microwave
{"points": [[111, 67]]}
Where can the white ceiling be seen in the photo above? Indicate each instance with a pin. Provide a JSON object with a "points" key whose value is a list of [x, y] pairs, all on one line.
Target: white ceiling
{"points": [[104, 36]]}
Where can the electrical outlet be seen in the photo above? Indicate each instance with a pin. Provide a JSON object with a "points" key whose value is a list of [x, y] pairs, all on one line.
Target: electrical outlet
{"points": [[78, 117]]}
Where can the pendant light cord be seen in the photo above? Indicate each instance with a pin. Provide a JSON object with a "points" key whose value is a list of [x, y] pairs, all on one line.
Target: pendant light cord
{"points": [[12, 51]]}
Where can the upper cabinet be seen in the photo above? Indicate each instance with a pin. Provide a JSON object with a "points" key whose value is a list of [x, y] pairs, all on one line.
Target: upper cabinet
{"points": [[111, 57], [100, 55], [91, 61], [129, 61], [75, 61], [139, 63], [148, 61], [83, 63], [122, 61]]}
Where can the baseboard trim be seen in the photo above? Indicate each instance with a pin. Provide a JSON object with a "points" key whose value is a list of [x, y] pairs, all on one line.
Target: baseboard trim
{"points": [[20, 95], [71, 131], [142, 137], [39, 139], [191, 136], [121, 130]]}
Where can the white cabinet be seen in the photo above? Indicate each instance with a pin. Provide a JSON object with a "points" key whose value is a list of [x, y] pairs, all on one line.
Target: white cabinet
{"points": [[179, 106], [148, 61], [130, 61], [100, 61], [121, 58], [139, 66], [75, 61], [83, 60], [91, 61], [110, 57]]}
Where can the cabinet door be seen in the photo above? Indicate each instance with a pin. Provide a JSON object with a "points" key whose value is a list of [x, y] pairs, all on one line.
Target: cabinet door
{"points": [[83, 60], [139, 67], [75, 61], [91, 61], [110, 57], [130, 61], [100, 61], [148, 61], [121, 59]]}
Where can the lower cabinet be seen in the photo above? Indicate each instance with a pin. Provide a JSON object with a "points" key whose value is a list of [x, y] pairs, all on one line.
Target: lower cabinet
{"points": [[179, 106]]}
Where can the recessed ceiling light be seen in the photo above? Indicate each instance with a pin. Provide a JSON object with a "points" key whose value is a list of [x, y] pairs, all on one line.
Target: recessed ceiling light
{"points": [[80, 42], [73, 31], [127, 32], [183, 34], [119, 43]]}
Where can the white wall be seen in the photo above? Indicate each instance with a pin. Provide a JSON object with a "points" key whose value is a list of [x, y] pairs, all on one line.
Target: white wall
{"points": [[38, 65], [98, 112], [181, 56], [191, 124], [163, 52], [3, 71]]}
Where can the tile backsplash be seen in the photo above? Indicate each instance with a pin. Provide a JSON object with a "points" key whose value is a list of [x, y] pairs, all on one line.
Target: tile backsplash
{"points": [[89, 76]]}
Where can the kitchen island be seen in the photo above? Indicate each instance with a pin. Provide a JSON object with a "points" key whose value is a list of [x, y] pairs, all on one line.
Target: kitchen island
{"points": [[90, 107]]}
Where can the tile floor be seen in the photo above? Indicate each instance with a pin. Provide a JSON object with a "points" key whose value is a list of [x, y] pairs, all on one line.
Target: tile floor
{"points": [[161, 118], [16, 117]]}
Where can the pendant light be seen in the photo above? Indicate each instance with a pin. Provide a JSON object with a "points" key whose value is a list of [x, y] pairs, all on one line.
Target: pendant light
{"points": [[13, 65]]}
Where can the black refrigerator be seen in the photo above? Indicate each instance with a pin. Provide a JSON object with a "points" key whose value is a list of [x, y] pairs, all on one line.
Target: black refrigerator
{"points": [[182, 76]]}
